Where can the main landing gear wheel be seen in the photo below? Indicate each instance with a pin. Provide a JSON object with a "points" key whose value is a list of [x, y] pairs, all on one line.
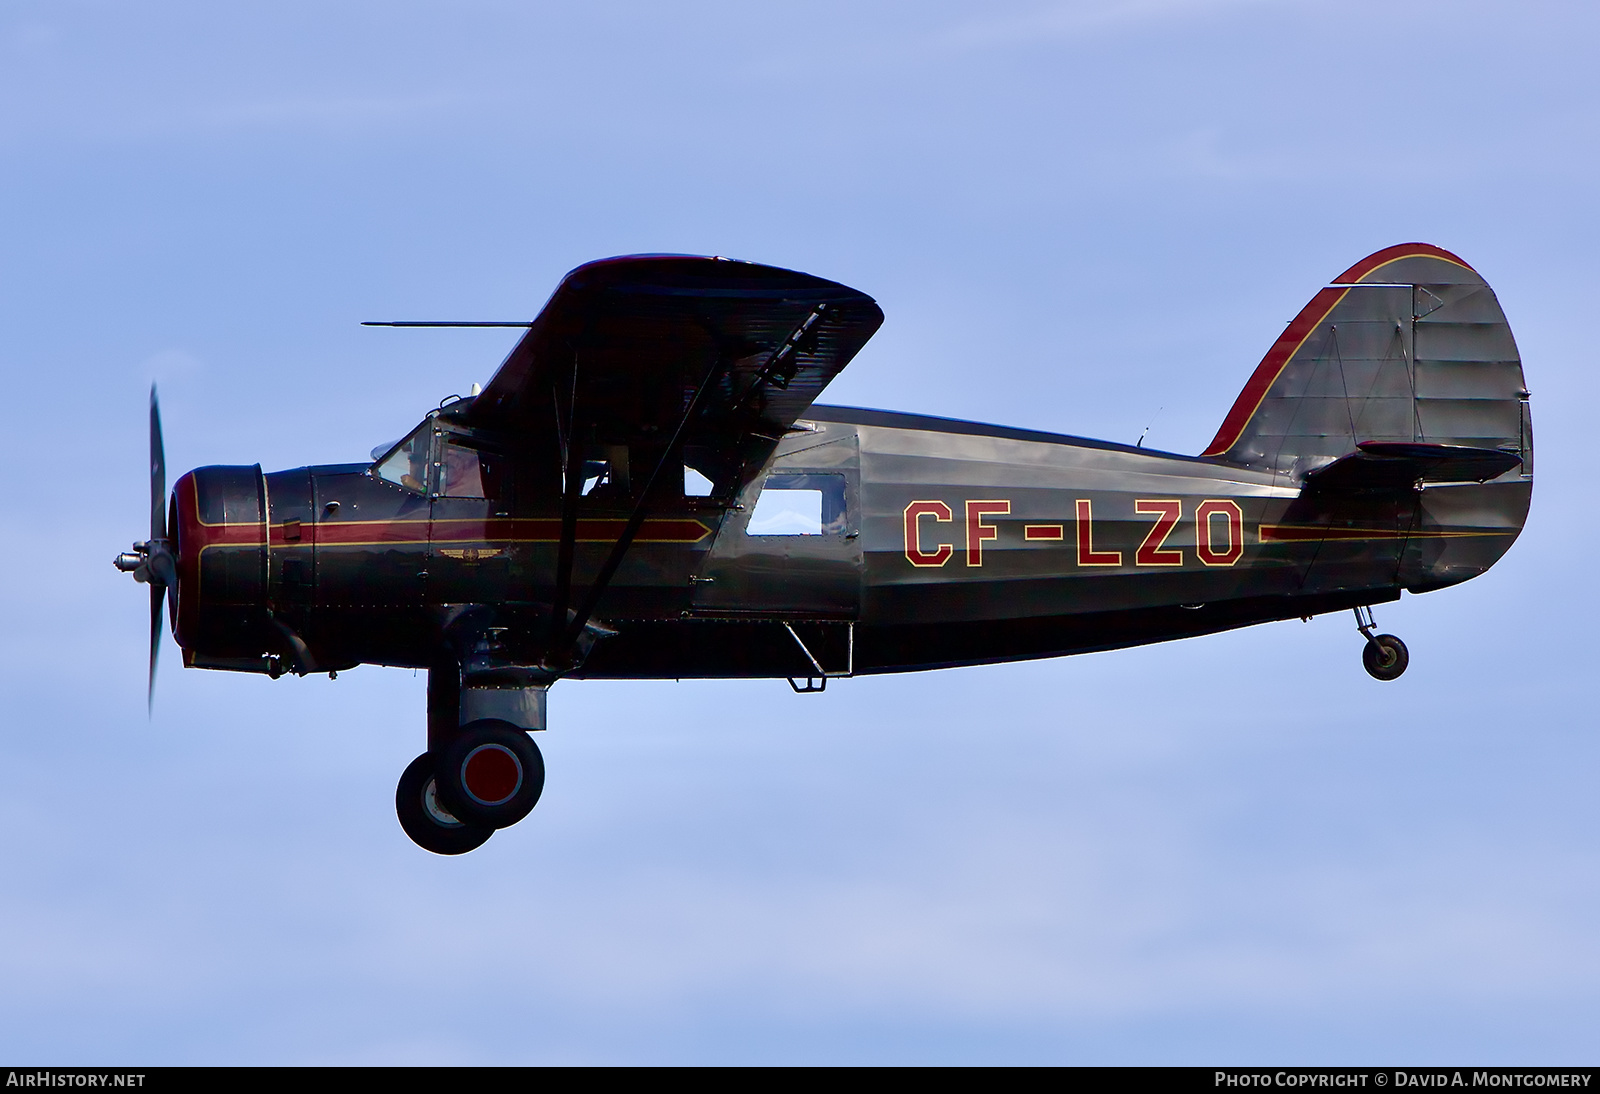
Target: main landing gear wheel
{"points": [[491, 773], [1385, 657], [430, 825]]}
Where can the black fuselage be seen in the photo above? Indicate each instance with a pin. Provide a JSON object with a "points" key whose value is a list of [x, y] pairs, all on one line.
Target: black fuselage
{"points": [[935, 543]]}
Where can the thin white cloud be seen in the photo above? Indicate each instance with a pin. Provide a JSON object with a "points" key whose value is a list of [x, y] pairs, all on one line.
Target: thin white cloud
{"points": [[1009, 30], [1074, 19], [29, 38], [324, 112], [171, 364]]}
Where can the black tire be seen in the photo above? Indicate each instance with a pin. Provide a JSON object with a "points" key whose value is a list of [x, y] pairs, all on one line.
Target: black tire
{"points": [[491, 773], [1385, 657], [430, 825]]}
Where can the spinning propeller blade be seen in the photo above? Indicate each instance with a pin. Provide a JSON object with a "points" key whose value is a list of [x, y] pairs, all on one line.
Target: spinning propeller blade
{"points": [[161, 570], [158, 596], [158, 472]]}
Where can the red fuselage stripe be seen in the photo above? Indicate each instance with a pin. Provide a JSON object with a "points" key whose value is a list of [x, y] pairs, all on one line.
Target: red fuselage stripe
{"points": [[400, 533], [1318, 533]]}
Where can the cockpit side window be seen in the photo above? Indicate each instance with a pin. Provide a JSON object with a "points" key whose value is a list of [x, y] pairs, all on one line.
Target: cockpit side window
{"points": [[468, 469], [460, 473], [407, 465]]}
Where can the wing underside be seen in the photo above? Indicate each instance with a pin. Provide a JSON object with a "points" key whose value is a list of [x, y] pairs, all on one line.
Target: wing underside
{"points": [[626, 347]]}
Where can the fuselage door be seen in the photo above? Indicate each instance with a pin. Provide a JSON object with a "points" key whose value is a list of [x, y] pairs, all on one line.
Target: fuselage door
{"points": [[469, 538], [792, 547]]}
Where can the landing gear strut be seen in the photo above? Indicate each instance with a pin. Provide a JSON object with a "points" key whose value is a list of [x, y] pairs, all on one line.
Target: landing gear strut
{"points": [[1384, 657]]}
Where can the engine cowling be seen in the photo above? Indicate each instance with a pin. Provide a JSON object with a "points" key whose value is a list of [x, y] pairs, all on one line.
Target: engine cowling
{"points": [[219, 527]]}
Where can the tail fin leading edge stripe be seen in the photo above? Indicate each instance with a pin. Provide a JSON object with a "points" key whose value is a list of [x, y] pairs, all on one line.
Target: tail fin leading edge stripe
{"points": [[1302, 327]]}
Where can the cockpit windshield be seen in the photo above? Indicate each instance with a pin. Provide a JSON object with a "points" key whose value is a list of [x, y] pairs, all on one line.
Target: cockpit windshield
{"points": [[407, 466]]}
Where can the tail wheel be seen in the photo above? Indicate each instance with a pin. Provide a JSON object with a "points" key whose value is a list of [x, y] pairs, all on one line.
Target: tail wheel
{"points": [[1385, 657], [491, 773], [425, 818]]}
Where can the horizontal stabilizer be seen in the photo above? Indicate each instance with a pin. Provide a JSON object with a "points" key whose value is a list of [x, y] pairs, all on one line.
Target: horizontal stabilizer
{"points": [[1399, 465]]}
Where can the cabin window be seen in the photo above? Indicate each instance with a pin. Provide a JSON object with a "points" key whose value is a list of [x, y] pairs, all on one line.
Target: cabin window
{"points": [[407, 465], [696, 485], [596, 473], [605, 472], [799, 505]]}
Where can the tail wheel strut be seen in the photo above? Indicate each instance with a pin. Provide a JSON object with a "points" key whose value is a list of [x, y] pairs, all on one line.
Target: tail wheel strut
{"points": [[1384, 656]]}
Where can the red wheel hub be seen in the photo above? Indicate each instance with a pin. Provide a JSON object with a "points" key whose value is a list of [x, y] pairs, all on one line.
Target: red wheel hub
{"points": [[491, 774]]}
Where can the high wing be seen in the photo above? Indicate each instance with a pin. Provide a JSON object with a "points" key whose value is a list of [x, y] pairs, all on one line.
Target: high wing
{"points": [[712, 357]]}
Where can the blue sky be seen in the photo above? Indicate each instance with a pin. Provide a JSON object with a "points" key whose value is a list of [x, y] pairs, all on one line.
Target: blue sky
{"points": [[1079, 217]]}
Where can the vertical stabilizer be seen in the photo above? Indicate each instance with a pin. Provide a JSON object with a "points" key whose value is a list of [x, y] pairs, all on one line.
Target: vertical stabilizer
{"points": [[1407, 345]]}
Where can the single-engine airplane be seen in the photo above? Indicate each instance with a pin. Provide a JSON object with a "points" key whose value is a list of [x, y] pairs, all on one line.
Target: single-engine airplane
{"points": [[647, 489]]}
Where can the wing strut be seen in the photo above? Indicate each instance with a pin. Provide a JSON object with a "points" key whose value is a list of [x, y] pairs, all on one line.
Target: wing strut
{"points": [[571, 490], [780, 367], [672, 455]]}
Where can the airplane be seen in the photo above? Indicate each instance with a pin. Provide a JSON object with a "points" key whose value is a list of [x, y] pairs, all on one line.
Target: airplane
{"points": [[647, 489]]}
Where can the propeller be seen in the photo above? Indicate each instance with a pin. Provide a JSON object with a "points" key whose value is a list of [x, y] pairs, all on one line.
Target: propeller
{"points": [[153, 561]]}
